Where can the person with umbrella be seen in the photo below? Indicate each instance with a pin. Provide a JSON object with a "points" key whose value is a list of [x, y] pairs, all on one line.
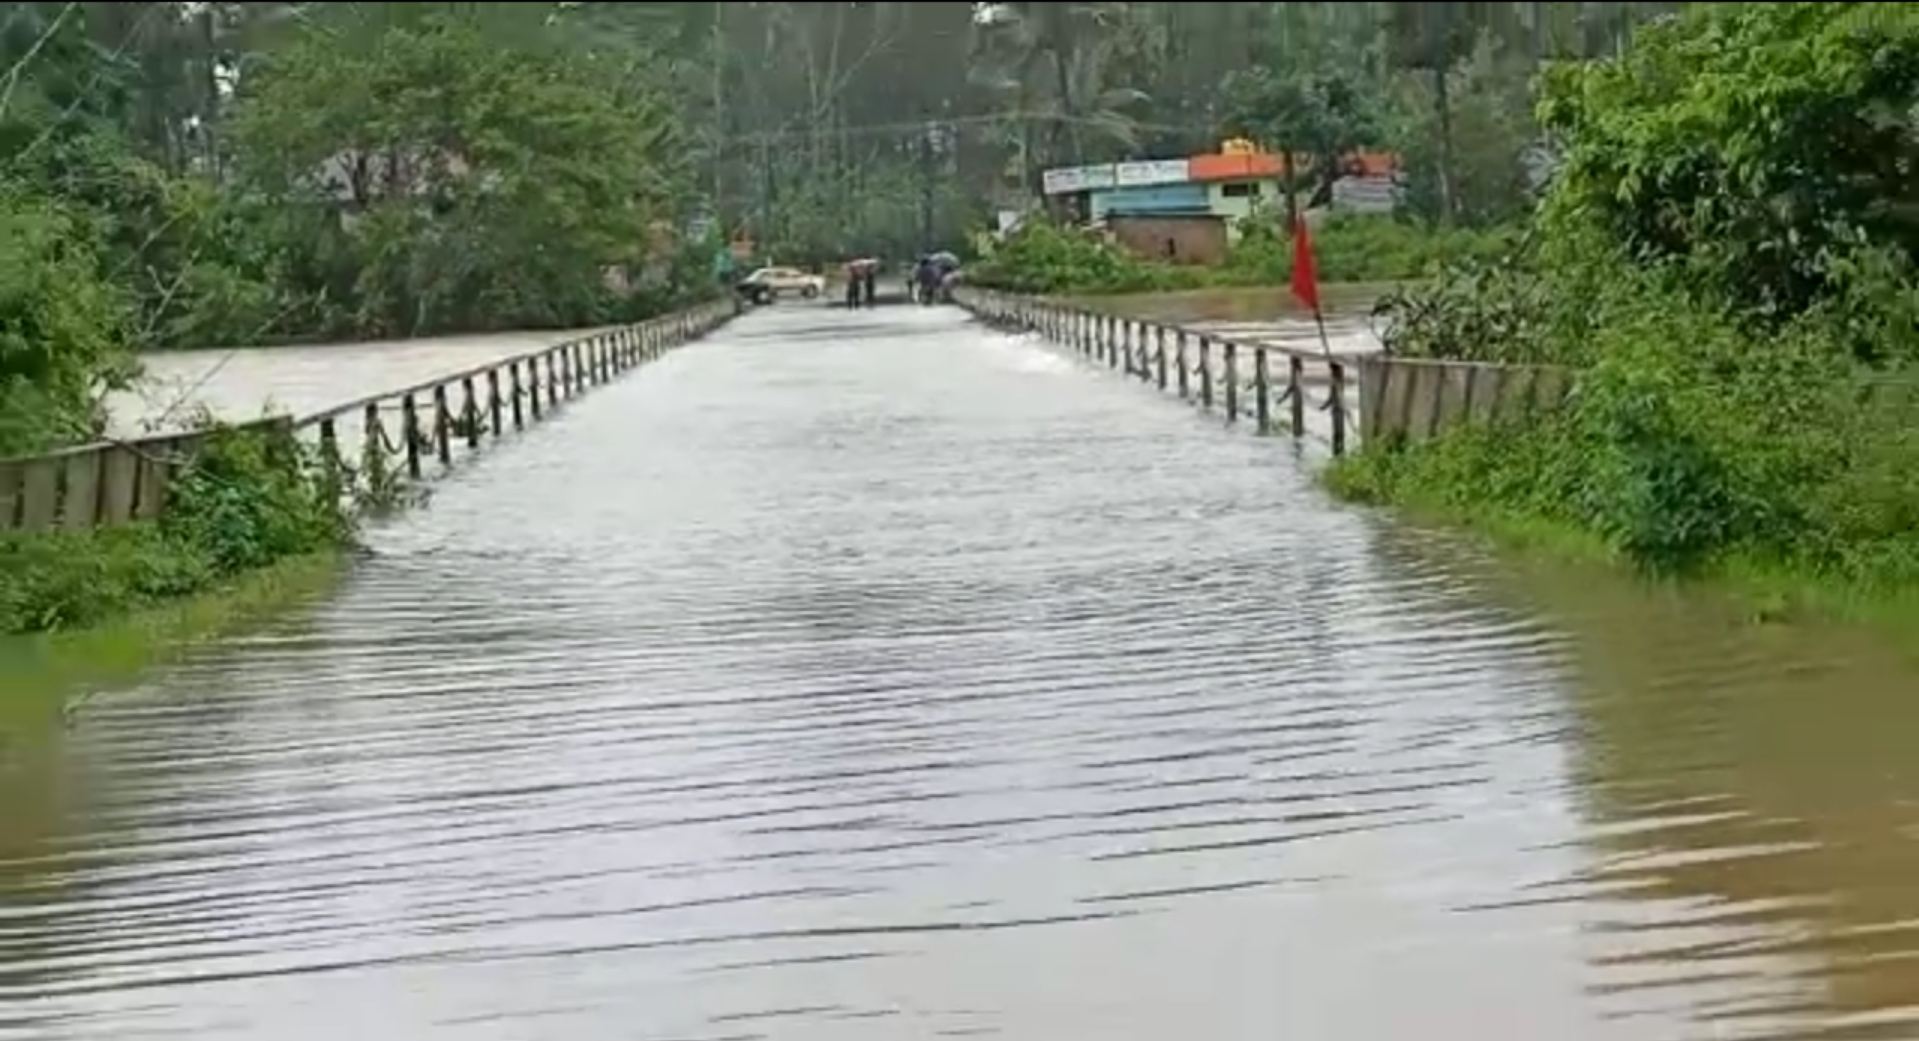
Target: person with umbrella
{"points": [[852, 274], [945, 275]]}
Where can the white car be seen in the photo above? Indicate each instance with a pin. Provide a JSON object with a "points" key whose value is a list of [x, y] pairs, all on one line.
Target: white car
{"points": [[786, 281]]}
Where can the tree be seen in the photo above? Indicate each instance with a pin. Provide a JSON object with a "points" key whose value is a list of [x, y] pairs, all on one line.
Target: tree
{"points": [[458, 181], [1307, 117]]}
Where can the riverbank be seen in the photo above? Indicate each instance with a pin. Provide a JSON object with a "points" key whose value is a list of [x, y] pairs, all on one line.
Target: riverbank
{"points": [[1747, 376], [249, 499], [53, 664], [1750, 590]]}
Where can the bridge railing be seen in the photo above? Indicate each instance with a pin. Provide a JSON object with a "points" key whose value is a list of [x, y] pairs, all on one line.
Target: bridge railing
{"points": [[1417, 398], [1277, 389], [1282, 389], [369, 447]]}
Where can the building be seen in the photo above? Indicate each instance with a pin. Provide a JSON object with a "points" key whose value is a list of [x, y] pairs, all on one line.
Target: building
{"points": [[1226, 187], [1238, 184], [1176, 238]]}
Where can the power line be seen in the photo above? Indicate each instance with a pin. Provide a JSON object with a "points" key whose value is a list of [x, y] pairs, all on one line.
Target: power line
{"points": [[920, 126]]}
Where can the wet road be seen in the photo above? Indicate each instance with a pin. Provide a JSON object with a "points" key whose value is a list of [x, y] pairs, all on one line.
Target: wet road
{"points": [[851, 677]]}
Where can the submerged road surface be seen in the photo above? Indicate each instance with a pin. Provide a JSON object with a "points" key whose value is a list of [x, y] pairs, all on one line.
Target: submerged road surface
{"points": [[868, 676]]}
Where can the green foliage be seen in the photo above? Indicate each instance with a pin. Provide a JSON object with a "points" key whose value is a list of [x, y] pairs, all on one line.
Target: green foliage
{"points": [[247, 499], [1683, 453], [1751, 148], [496, 168], [1323, 114], [62, 327], [1046, 259], [1481, 138], [464, 184], [1727, 262]]}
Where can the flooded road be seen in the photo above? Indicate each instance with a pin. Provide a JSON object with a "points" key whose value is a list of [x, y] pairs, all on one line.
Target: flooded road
{"points": [[878, 676]]}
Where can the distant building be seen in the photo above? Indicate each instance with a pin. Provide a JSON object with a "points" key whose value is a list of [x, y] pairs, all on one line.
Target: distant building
{"points": [[1175, 238], [1229, 186]]}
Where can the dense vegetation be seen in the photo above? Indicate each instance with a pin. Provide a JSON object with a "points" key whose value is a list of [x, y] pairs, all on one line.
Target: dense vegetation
{"points": [[230, 174], [1045, 258], [1442, 86], [247, 500], [226, 174], [1727, 253]]}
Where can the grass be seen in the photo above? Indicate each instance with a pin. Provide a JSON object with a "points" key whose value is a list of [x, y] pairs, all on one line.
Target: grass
{"points": [[1756, 591], [53, 665]]}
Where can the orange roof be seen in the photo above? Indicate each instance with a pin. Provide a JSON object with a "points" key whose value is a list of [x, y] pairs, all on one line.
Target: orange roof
{"points": [[1373, 164], [1259, 165], [1233, 167]]}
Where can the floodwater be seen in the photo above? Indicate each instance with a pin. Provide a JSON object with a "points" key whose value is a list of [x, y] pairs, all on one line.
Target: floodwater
{"points": [[239, 385], [1264, 316], [878, 676]]}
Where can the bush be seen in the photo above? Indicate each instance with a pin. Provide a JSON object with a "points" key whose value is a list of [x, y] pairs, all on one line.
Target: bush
{"points": [[1046, 259], [62, 328], [248, 499], [1043, 258], [1687, 444], [1729, 263]]}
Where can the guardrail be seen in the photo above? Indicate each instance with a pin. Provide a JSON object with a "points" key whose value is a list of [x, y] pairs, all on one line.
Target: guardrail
{"points": [[1398, 398], [108, 483], [1200, 366], [1416, 398]]}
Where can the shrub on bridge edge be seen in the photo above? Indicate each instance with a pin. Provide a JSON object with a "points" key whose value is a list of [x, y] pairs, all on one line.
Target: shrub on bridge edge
{"points": [[1690, 446], [1044, 259], [1747, 396], [249, 498]]}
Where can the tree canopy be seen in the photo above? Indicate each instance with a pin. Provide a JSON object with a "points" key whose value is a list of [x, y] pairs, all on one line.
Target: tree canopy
{"points": [[237, 173]]}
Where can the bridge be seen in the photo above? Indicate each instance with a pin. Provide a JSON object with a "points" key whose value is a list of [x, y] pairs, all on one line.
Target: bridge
{"points": [[844, 675]]}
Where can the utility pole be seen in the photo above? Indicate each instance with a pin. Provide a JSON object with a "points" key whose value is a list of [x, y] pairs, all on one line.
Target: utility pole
{"points": [[927, 159], [719, 115]]}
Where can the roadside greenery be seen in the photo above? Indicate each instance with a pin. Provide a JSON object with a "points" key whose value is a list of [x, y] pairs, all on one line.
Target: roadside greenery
{"points": [[207, 175], [249, 498], [365, 171], [1047, 259], [1727, 256]]}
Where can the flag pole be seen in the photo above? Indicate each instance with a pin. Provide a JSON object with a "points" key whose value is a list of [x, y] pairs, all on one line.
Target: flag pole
{"points": [[1325, 342], [1306, 279]]}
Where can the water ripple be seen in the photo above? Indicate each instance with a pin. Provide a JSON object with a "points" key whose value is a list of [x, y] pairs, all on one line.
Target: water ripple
{"points": [[847, 677]]}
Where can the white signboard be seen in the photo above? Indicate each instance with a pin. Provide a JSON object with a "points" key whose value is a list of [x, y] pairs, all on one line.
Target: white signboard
{"points": [[1152, 171], [1070, 179]]}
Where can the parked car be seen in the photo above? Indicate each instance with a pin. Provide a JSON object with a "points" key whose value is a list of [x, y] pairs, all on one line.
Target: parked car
{"points": [[770, 282]]}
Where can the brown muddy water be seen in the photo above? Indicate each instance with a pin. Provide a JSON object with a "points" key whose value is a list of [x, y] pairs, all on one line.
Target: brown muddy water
{"points": [[1263, 316], [879, 676], [239, 385]]}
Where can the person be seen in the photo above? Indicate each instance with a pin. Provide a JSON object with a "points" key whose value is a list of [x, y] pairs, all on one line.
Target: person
{"points": [[869, 281], [853, 276], [927, 275]]}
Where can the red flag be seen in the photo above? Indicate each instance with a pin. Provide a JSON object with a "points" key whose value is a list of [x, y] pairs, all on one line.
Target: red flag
{"points": [[1305, 272]]}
